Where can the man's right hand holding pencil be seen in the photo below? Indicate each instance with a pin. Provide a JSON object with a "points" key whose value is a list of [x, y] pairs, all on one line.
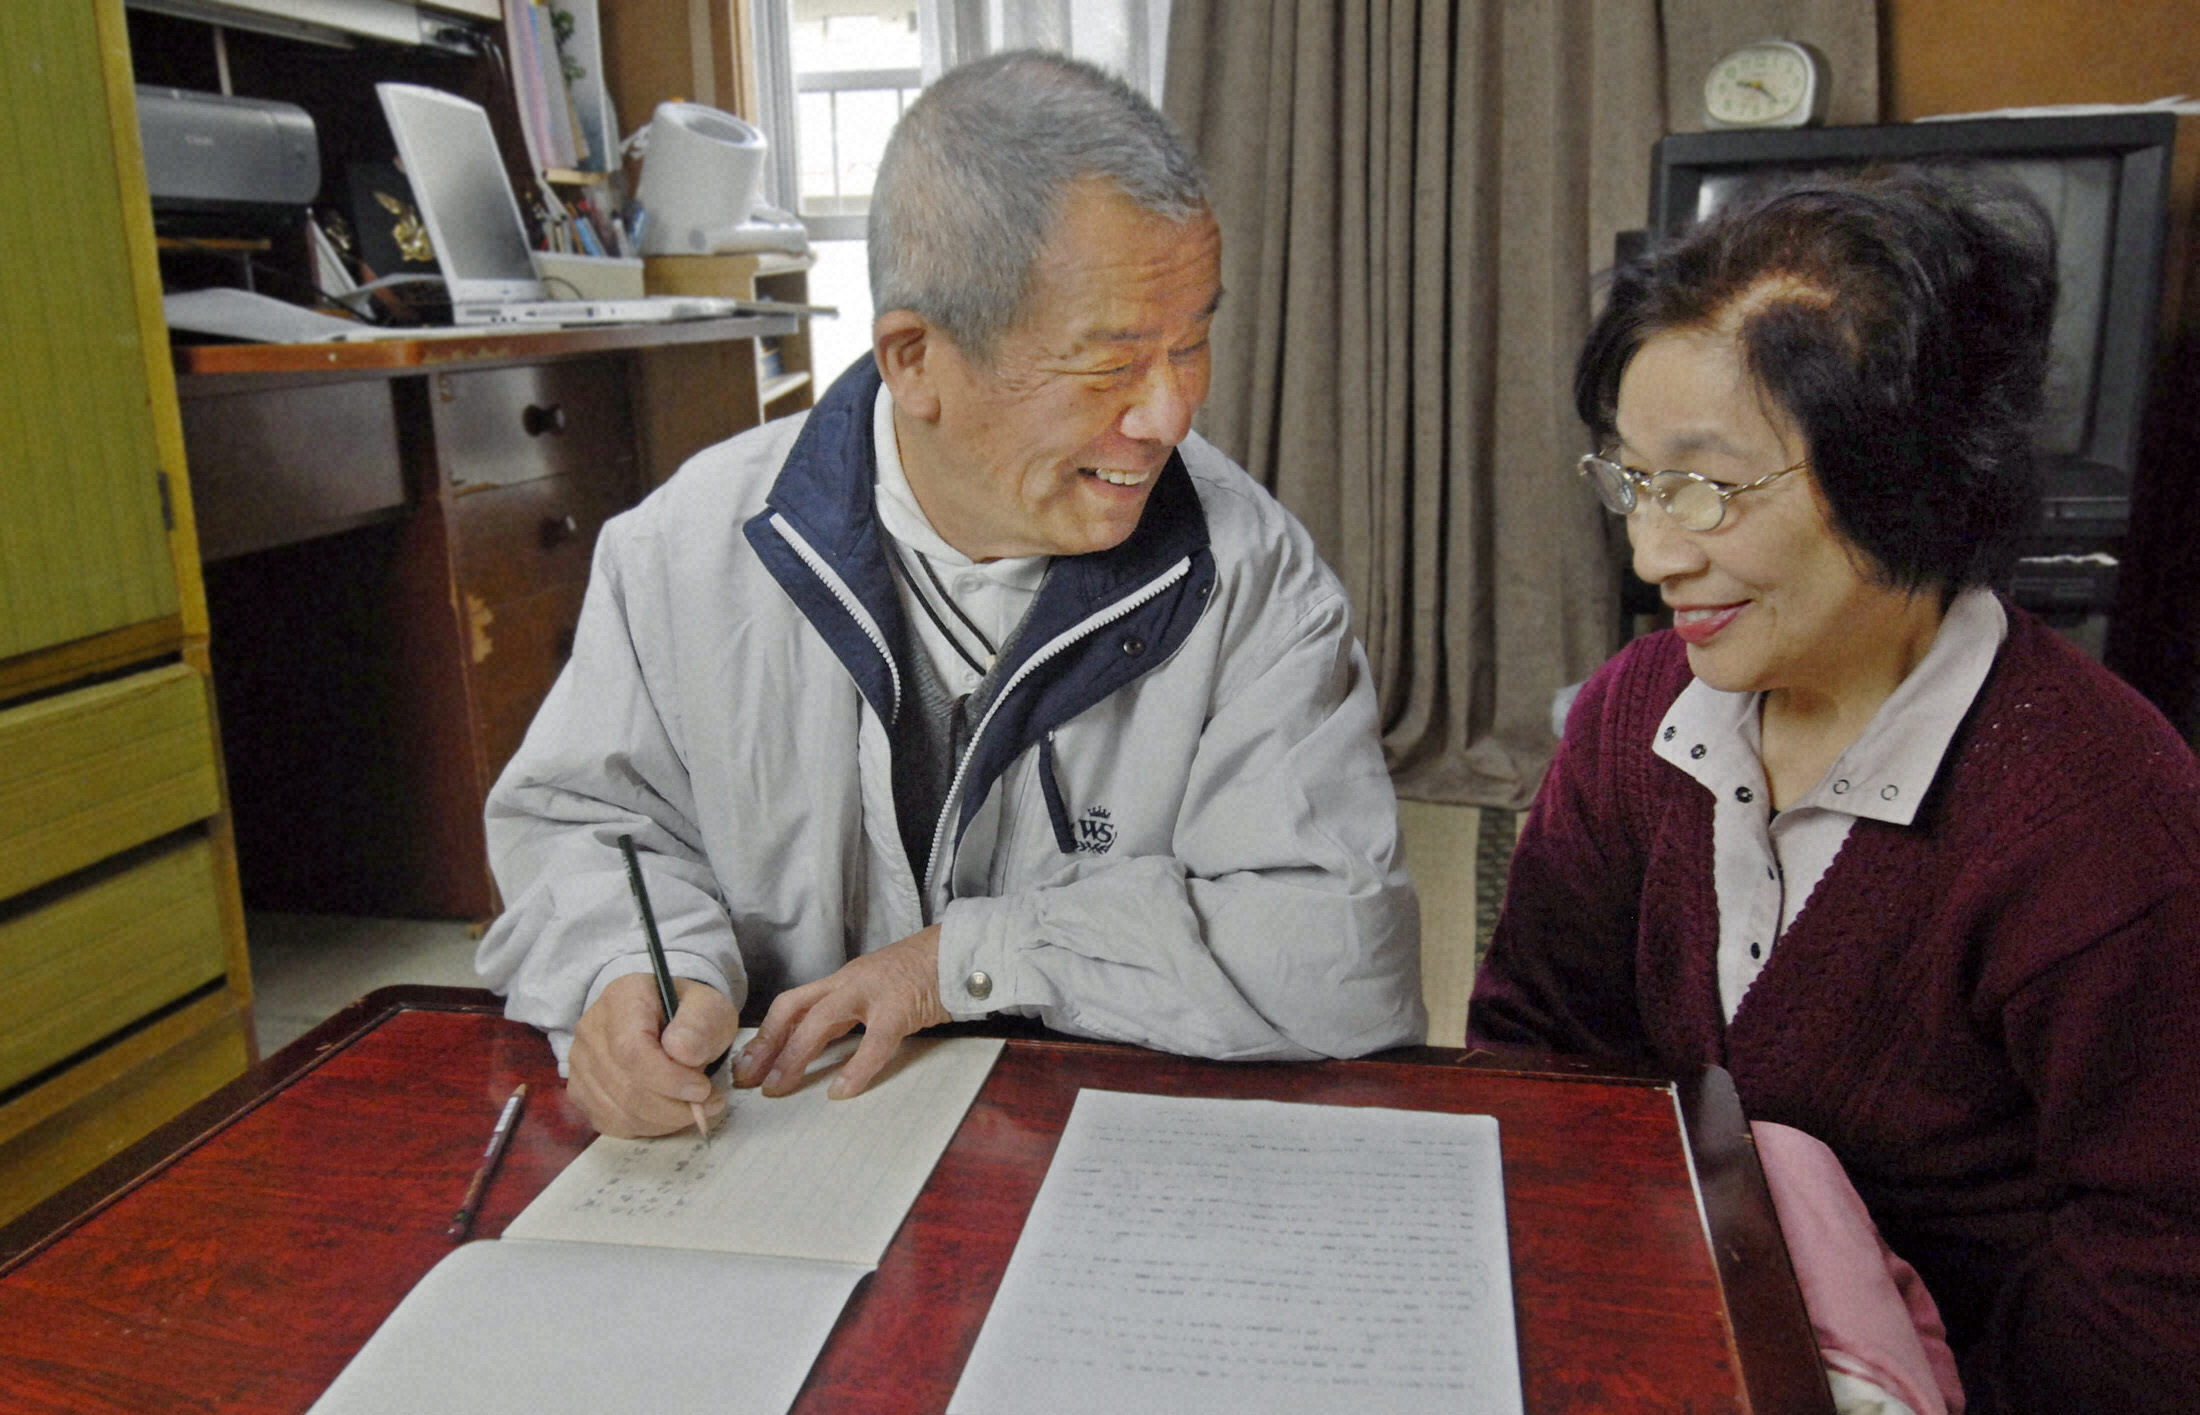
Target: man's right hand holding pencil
{"points": [[631, 1082]]}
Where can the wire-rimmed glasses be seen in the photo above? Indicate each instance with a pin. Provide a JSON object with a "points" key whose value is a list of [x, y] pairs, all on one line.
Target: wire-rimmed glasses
{"points": [[1695, 501]]}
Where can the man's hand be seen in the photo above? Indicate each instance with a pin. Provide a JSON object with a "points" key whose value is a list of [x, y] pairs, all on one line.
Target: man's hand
{"points": [[892, 992], [627, 1079]]}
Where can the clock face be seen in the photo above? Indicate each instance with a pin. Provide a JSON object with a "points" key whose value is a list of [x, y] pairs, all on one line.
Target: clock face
{"points": [[1762, 85]]}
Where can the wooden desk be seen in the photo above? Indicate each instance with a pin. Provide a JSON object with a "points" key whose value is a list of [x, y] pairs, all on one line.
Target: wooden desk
{"points": [[237, 1259], [397, 537]]}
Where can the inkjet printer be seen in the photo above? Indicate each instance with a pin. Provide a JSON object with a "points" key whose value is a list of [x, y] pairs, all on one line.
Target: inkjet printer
{"points": [[218, 165]]}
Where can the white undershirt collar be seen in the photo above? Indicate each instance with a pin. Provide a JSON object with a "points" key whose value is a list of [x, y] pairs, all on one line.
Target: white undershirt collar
{"points": [[995, 594]]}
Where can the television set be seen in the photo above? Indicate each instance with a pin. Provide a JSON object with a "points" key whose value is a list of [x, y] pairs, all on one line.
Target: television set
{"points": [[2104, 179]]}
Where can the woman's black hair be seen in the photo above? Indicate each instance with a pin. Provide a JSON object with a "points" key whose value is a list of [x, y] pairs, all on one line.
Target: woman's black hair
{"points": [[1901, 318]]}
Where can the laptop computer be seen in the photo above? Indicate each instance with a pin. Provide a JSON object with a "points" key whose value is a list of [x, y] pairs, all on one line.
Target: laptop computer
{"points": [[465, 200]]}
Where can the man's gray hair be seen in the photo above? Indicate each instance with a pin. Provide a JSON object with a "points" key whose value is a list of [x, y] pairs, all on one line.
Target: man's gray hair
{"points": [[975, 175]]}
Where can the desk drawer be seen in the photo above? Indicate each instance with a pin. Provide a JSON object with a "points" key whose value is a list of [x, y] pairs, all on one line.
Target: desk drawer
{"points": [[517, 650], [92, 962], [276, 466], [89, 774], [500, 426], [515, 541]]}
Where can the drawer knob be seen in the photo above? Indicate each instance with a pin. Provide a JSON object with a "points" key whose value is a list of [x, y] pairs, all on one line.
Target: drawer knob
{"points": [[538, 419], [557, 530]]}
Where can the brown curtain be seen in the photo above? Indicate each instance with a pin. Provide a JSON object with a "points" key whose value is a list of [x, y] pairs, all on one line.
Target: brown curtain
{"points": [[1415, 196]]}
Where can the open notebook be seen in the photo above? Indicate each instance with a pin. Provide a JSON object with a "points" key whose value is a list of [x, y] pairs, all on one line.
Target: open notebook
{"points": [[465, 199], [676, 1274]]}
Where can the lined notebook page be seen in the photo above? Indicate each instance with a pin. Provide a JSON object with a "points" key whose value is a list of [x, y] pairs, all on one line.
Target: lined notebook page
{"points": [[1259, 1256], [796, 1177]]}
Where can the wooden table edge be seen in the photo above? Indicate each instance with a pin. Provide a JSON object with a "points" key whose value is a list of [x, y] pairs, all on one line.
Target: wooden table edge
{"points": [[55, 1216]]}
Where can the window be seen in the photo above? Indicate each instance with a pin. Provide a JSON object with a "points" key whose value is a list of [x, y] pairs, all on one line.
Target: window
{"points": [[856, 66]]}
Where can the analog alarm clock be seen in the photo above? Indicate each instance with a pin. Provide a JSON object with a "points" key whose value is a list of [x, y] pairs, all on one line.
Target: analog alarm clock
{"points": [[1774, 83]]}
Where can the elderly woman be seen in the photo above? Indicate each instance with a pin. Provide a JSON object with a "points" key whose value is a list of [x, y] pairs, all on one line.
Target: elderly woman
{"points": [[1922, 877]]}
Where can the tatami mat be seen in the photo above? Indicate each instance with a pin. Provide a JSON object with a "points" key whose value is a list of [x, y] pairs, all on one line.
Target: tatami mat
{"points": [[307, 967], [1458, 856]]}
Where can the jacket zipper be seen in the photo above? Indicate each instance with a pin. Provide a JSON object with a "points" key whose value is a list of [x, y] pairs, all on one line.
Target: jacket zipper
{"points": [[848, 601], [1062, 641]]}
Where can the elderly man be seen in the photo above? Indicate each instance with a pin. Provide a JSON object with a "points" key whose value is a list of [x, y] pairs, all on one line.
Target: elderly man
{"points": [[986, 687]]}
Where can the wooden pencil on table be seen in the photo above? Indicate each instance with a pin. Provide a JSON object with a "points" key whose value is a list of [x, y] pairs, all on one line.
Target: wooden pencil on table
{"points": [[507, 1121]]}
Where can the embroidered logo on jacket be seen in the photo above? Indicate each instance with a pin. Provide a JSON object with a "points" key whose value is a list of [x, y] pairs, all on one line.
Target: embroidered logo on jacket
{"points": [[1095, 831]]}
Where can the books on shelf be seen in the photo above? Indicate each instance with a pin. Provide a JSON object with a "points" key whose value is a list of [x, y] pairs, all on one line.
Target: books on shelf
{"points": [[564, 106]]}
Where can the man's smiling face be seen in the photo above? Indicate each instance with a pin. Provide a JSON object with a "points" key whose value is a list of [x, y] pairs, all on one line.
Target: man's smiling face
{"points": [[1053, 447]]}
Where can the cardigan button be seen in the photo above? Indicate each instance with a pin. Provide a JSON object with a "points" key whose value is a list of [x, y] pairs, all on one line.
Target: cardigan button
{"points": [[1841, 787], [1668, 734], [979, 986], [1696, 752], [1756, 950], [1888, 793], [1744, 794]]}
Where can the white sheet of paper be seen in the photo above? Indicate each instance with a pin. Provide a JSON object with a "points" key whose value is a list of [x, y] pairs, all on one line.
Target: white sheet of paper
{"points": [[796, 1177], [1256, 1256], [505, 1328]]}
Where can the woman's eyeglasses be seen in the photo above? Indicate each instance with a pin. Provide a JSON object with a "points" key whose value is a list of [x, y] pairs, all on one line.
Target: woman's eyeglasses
{"points": [[1693, 500]]}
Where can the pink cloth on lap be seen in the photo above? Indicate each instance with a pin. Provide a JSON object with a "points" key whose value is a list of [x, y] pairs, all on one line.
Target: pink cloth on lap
{"points": [[1871, 1312]]}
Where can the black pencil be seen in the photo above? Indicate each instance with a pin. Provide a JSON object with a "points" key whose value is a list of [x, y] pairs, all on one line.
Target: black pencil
{"points": [[667, 998]]}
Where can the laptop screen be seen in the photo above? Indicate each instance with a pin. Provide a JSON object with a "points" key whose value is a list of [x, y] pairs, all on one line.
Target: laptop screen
{"points": [[465, 197]]}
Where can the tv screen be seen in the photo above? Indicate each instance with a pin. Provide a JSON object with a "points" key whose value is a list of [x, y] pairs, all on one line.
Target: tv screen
{"points": [[2104, 179]]}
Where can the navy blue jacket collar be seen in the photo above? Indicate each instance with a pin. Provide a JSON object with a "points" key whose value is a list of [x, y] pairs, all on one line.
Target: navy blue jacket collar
{"points": [[825, 491]]}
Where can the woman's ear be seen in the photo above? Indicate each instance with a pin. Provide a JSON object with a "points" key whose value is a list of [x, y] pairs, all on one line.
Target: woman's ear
{"points": [[904, 346]]}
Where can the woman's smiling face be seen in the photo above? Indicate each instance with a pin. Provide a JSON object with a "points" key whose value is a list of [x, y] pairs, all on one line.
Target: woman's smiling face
{"points": [[1775, 598]]}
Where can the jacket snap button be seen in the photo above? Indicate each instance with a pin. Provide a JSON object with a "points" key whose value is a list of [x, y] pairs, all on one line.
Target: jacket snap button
{"points": [[1134, 646], [979, 986]]}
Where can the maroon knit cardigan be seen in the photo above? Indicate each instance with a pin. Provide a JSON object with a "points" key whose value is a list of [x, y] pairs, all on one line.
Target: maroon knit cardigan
{"points": [[1991, 1015]]}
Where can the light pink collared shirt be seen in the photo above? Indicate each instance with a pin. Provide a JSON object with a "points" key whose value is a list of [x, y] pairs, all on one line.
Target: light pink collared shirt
{"points": [[1764, 867]]}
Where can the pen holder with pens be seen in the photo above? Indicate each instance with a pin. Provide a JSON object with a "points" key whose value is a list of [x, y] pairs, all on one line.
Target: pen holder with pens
{"points": [[589, 277]]}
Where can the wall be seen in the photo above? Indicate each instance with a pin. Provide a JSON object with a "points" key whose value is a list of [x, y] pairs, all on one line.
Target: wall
{"points": [[1938, 57]]}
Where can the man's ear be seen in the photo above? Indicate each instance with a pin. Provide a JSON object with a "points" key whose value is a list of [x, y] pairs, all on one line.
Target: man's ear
{"points": [[906, 349]]}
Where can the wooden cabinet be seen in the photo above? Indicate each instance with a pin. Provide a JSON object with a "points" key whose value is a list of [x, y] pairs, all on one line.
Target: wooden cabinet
{"points": [[768, 380], [124, 985], [404, 537], [396, 534], [375, 680]]}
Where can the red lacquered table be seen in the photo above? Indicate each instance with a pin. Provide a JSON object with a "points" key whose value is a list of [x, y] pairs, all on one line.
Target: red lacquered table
{"points": [[235, 1260]]}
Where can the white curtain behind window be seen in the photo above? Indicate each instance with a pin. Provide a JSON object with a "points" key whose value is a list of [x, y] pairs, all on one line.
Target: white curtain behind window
{"points": [[827, 181], [1126, 37]]}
